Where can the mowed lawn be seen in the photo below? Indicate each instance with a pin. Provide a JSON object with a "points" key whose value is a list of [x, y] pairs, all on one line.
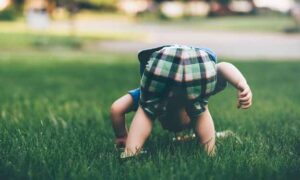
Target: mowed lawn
{"points": [[54, 123]]}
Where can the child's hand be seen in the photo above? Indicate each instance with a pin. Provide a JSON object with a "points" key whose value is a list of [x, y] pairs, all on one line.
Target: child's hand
{"points": [[120, 142], [244, 96]]}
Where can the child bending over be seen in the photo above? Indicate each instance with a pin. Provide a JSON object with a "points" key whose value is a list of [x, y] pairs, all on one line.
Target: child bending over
{"points": [[175, 88]]}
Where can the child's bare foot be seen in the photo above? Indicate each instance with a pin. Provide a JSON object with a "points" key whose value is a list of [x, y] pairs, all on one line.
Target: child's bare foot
{"points": [[126, 154]]}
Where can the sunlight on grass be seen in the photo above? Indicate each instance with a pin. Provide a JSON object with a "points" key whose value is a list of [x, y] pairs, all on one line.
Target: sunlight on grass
{"points": [[255, 23], [250, 23], [20, 28]]}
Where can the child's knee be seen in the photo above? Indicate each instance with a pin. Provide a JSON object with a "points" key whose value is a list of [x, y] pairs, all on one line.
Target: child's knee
{"points": [[116, 109], [122, 105]]}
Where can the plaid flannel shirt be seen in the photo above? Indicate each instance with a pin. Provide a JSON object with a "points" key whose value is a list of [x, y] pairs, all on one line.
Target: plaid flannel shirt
{"points": [[190, 68]]}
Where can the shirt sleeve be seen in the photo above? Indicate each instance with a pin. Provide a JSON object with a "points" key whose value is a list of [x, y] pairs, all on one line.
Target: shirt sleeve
{"points": [[220, 85]]}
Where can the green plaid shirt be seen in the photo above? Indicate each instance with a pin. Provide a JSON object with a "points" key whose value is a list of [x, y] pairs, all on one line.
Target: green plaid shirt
{"points": [[189, 68]]}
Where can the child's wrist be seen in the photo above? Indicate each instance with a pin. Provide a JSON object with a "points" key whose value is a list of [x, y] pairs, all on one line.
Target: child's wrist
{"points": [[241, 85], [120, 141], [121, 138]]}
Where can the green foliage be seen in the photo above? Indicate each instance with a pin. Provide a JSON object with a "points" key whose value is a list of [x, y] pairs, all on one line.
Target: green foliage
{"points": [[223, 2], [220, 1], [39, 40], [54, 122], [8, 14], [254, 23], [104, 4]]}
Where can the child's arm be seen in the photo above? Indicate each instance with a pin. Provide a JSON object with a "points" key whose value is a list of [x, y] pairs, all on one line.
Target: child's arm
{"points": [[117, 115], [230, 73]]}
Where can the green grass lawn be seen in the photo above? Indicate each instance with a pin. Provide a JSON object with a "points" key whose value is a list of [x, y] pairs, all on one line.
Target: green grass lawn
{"points": [[262, 22], [17, 35], [254, 23], [54, 122]]}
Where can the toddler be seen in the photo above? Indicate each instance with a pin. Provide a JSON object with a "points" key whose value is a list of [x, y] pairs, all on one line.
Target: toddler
{"points": [[175, 88]]}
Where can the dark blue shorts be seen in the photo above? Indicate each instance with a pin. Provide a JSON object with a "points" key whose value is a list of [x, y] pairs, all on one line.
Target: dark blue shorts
{"points": [[135, 94]]}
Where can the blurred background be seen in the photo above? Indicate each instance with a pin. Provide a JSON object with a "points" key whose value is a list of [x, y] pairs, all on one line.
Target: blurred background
{"points": [[240, 29], [64, 62]]}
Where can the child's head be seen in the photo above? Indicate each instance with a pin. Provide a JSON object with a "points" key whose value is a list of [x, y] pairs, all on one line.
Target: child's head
{"points": [[175, 118], [175, 121]]}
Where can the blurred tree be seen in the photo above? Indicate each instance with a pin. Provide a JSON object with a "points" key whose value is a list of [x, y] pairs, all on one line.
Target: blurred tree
{"points": [[222, 7], [11, 10], [19, 4], [8, 14], [72, 8], [101, 2], [295, 13], [97, 4]]}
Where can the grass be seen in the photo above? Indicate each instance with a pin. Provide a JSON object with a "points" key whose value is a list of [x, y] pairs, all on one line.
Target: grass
{"points": [[17, 33], [263, 22], [54, 122], [39, 40], [250, 23]]}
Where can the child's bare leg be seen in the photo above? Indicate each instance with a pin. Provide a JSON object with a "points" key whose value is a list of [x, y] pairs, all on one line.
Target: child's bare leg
{"points": [[206, 131], [140, 130], [117, 115]]}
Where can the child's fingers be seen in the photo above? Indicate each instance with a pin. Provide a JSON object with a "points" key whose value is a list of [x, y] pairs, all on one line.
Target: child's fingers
{"points": [[245, 103], [245, 92], [246, 106], [238, 105], [245, 98]]}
